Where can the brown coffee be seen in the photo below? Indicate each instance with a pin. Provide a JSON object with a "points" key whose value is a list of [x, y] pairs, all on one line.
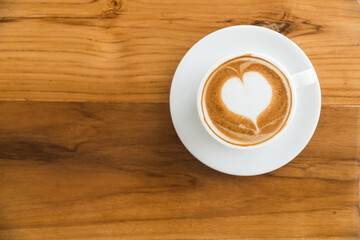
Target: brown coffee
{"points": [[246, 101]]}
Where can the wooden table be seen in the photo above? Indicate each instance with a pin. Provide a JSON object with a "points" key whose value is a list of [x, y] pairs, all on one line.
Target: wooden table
{"points": [[88, 149]]}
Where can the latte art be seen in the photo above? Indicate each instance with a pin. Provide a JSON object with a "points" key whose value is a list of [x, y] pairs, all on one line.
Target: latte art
{"points": [[246, 101], [248, 96]]}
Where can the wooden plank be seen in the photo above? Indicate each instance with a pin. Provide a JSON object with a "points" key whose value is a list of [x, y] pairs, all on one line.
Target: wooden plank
{"points": [[128, 51], [59, 8], [118, 171]]}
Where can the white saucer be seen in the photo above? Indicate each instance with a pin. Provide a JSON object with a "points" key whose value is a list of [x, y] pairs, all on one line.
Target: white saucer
{"points": [[194, 65]]}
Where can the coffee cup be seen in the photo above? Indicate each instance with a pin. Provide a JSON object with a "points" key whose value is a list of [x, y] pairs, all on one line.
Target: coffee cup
{"points": [[248, 100]]}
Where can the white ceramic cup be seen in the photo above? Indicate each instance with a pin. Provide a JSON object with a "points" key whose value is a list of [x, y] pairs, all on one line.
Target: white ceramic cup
{"points": [[296, 81]]}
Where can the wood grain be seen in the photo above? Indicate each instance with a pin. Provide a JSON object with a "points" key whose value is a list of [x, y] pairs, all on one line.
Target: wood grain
{"points": [[88, 150], [118, 171], [128, 50]]}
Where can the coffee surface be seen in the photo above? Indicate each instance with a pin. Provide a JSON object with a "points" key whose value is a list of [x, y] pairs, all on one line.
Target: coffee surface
{"points": [[246, 101]]}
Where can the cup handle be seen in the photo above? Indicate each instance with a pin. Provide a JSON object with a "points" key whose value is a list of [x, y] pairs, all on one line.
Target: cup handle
{"points": [[304, 78]]}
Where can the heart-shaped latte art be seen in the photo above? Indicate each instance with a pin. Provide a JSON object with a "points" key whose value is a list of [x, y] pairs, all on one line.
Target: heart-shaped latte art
{"points": [[248, 97]]}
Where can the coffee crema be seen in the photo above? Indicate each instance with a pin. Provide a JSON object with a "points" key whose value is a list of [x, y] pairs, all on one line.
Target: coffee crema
{"points": [[246, 101]]}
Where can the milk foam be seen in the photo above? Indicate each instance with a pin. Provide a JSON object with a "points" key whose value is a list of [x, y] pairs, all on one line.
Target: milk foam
{"points": [[248, 96], [246, 101]]}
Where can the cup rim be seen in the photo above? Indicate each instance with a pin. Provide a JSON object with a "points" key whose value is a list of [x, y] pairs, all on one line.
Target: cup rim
{"points": [[273, 138]]}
